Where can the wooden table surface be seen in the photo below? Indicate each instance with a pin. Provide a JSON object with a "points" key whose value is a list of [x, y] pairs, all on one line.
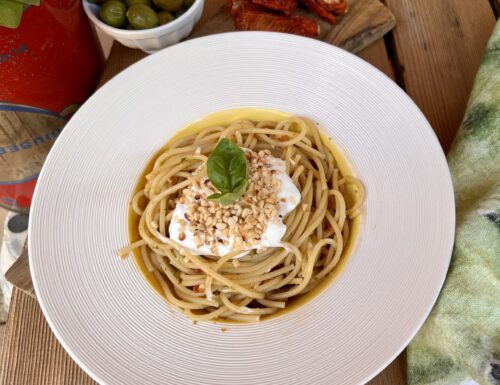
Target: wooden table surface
{"points": [[433, 54]]}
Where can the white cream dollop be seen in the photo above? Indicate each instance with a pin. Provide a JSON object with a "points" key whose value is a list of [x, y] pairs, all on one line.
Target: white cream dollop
{"points": [[288, 198]]}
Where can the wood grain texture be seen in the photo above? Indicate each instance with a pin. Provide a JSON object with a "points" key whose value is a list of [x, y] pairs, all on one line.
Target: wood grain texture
{"points": [[495, 4], [394, 374], [438, 46], [31, 354], [2, 332], [3, 214], [120, 58], [365, 22], [212, 8], [376, 55], [19, 273]]}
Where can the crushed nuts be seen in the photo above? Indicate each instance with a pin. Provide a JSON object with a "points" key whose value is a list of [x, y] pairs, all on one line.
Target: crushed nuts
{"points": [[245, 219]]}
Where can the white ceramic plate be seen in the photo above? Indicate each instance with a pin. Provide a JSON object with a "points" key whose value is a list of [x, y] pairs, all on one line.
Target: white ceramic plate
{"points": [[120, 332]]}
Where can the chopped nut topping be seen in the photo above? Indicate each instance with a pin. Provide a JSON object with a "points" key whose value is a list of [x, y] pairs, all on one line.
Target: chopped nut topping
{"points": [[245, 219]]}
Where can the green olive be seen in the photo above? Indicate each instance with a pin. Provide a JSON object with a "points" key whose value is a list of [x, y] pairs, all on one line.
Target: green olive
{"points": [[133, 2], [168, 5], [113, 12], [179, 12], [96, 1], [141, 16], [165, 17], [188, 3]]}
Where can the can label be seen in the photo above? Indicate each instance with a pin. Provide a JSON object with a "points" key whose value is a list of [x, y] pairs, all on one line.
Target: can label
{"points": [[26, 136]]}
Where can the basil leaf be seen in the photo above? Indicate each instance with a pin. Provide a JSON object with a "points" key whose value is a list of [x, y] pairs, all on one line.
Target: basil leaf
{"points": [[226, 198], [227, 169], [10, 13]]}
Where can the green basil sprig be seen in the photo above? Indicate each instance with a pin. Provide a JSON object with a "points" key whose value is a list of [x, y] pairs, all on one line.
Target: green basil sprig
{"points": [[227, 169], [12, 10]]}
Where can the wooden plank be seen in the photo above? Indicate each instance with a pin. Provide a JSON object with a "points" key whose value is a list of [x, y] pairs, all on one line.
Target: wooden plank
{"points": [[394, 374], [3, 214], [2, 332], [376, 54], [495, 4], [19, 273], [31, 354], [365, 22], [120, 58], [212, 7], [438, 46]]}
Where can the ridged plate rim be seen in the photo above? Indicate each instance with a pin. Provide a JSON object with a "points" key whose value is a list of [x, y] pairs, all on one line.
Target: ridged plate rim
{"points": [[359, 106]]}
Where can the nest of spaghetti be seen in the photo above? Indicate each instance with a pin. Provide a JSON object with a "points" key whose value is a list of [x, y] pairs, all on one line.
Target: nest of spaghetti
{"points": [[245, 287]]}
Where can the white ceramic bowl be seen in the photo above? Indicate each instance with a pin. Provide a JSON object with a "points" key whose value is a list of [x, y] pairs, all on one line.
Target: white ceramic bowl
{"points": [[153, 39], [116, 327]]}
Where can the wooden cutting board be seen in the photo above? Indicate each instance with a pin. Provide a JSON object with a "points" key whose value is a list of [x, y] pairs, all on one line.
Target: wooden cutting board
{"points": [[365, 22]]}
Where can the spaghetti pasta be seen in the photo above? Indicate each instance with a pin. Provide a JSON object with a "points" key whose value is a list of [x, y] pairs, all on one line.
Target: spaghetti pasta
{"points": [[263, 281]]}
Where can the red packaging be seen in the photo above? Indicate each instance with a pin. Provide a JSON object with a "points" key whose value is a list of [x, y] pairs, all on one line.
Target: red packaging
{"points": [[49, 65]]}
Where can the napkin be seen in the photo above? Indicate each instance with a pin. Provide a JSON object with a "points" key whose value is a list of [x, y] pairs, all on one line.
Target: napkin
{"points": [[459, 344]]}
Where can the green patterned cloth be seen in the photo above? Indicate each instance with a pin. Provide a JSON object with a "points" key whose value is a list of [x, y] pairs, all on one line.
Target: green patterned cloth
{"points": [[459, 343]]}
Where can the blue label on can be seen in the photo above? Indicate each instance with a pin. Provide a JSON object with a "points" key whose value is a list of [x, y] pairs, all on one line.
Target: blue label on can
{"points": [[26, 136]]}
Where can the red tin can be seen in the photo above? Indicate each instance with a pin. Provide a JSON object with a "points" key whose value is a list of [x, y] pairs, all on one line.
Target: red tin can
{"points": [[49, 65]]}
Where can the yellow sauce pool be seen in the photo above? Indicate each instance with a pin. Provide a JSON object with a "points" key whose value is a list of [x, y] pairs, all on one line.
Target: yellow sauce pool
{"points": [[224, 118]]}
